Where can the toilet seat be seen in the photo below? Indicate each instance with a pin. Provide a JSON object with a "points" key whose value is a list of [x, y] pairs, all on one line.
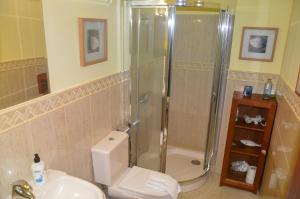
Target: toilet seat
{"points": [[133, 184]]}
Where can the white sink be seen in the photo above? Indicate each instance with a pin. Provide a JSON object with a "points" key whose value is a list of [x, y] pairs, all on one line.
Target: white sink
{"points": [[62, 186]]}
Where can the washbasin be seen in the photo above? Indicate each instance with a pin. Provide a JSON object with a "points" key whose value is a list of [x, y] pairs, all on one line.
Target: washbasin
{"points": [[63, 186]]}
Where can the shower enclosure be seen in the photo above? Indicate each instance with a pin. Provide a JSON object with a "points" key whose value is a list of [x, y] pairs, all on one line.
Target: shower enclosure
{"points": [[178, 59]]}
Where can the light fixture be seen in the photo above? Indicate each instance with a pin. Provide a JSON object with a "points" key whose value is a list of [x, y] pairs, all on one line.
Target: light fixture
{"points": [[199, 3], [181, 2], [161, 12]]}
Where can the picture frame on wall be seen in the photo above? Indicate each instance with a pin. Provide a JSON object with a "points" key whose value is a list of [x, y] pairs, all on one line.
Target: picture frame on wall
{"points": [[297, 89], [258, 44], [93, 41]]}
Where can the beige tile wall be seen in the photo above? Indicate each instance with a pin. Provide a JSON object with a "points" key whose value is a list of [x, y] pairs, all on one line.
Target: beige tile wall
{"points": [[147, 70], [285, 145], [63, 134], [18, 80], [150, 113], [192, 78], [22, 30]]}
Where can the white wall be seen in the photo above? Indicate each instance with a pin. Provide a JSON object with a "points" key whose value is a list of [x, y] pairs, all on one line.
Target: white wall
{"points": [[291, 61], [62, 40]]}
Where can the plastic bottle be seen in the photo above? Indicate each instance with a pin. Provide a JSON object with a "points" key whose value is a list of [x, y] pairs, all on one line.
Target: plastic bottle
{"points": [[38, 170], [268, 89]]}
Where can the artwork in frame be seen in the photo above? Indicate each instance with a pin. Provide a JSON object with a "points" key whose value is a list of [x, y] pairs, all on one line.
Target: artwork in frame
{"points": [[258, 44], [93, 41], [297, 89]]}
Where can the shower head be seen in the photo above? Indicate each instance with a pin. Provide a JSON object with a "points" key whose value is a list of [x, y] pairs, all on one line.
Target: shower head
{"points": [[181, 2], [198, 3]]}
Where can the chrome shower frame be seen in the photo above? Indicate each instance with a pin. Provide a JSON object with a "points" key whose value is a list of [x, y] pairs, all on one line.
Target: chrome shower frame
{"points": [[225, 31]]}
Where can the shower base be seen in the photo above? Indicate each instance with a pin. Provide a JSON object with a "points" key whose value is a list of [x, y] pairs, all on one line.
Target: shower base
{"points": [[183, 165]]}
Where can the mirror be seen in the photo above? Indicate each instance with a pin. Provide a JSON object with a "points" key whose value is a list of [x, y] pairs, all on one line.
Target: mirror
{"points": [[23, 59]]}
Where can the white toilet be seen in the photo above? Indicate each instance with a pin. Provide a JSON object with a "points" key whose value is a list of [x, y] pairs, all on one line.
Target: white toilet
{"points": [[110, 162]]}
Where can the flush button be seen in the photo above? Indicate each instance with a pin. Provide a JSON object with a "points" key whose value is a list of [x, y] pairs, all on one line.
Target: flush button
{"points": [[111, 139]]}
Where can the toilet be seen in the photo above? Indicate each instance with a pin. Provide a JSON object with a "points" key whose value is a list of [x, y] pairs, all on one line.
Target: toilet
{"points": [[110, 164]]}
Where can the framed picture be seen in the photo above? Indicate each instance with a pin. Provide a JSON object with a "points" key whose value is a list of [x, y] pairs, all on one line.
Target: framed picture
{"points": [[93, 41], [297, 89], [258, 44]]}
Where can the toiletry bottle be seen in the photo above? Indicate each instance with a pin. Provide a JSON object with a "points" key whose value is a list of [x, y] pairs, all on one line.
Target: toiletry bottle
{"points": [[38, 170], [268, 89]]}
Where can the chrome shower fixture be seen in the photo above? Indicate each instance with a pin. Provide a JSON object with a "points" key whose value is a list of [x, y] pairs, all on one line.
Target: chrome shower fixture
{"points": [[198, 3], [181, 2]]}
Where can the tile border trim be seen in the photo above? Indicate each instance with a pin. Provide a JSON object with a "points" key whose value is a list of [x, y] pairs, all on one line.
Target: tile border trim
{"points": [[23, 63], [290, 96], [24, 112], [282, 88], [252, 76]]}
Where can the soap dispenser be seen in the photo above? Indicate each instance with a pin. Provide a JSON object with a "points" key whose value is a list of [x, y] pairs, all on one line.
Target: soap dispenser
{"points": [[38, 170]]}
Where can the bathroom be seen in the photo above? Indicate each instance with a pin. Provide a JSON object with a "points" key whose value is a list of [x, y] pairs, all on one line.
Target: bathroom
{"points": [[80, 104]]}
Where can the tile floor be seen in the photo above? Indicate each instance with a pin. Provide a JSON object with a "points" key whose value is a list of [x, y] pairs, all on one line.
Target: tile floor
{"points": [[212, 190]]}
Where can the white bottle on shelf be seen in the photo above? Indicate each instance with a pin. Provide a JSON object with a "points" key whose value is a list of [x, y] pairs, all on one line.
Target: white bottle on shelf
{"points": [[250, 177]]}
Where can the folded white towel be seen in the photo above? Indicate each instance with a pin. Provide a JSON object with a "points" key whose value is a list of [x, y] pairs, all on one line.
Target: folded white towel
{"points": [[164, 183], [144, 181]]}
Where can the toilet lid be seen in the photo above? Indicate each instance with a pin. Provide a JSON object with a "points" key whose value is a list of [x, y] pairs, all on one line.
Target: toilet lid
{"points": [[135, 181]]}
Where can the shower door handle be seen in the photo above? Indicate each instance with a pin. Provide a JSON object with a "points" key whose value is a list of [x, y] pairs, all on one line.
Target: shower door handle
{"points": [[144, 98], [126, 128], [214, 94], [131, 124]]}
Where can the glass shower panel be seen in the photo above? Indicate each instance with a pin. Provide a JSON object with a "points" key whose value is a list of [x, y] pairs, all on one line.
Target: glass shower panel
{"points": [[192, 79], [193, 68], [149, 34], [225, 29]]}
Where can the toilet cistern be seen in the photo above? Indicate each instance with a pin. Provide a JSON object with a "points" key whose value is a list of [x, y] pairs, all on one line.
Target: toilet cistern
{"points": [[110, 164]]}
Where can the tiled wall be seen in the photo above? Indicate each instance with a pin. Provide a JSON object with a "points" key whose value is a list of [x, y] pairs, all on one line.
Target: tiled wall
{"points": [[147, 70], [22, 30], [285, 144], [60, 127], [192, 78], [18, 80]]}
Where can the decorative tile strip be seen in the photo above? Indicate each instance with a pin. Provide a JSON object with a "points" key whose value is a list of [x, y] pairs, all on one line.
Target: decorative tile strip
{"points": [[17, 64], [252, 76], [193, 66], [18, 115], [290, 96]]}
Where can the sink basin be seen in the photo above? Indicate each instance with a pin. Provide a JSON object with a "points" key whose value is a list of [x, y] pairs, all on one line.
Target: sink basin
{"points": [[62, 186]]}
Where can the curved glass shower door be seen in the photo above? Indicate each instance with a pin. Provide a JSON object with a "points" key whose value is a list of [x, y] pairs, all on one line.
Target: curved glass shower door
{"points": [[192, 82], [178, 59], [149, 73]]}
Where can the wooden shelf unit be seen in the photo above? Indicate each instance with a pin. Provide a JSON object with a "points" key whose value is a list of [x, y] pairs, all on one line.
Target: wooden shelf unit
{"points": [[238, 129], [244, 150], [243, 125]]}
